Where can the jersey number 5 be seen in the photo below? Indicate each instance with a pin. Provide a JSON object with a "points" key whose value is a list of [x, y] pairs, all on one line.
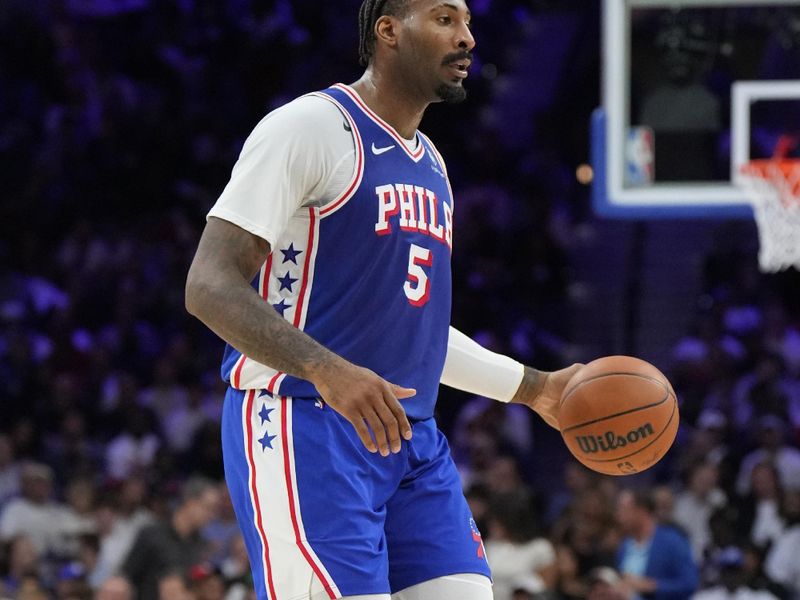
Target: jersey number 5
{"points": [[418, 286]]}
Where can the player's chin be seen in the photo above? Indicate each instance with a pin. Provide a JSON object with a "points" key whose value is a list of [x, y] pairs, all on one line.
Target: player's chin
{"points": [[451, 92]]}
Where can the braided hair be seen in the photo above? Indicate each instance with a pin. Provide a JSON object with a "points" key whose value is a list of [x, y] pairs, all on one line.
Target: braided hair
{"points": [[368, 14]]}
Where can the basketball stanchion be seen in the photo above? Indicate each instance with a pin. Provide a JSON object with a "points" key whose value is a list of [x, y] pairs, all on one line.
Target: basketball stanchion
{"points": [[773, 187]]}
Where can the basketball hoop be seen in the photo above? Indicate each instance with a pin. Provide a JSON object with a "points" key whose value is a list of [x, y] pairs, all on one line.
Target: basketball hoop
{"points": [[773, 187]]}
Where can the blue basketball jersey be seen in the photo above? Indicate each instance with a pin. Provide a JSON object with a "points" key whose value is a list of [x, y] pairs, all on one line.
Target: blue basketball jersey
{"points": [[368, 274]]}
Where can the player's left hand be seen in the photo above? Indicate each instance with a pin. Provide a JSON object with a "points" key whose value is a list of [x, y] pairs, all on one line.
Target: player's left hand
{"points": [[541, 391]]}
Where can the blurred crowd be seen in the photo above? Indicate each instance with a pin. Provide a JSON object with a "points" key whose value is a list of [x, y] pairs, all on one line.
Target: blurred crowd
{"points": [[119, 123], [717, 518]]}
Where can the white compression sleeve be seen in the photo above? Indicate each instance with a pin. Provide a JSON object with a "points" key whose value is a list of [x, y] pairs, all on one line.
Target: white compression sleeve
{"points": [[472, 368]]}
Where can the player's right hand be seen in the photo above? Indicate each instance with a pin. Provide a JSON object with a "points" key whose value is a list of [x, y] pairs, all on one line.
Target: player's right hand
{"points": [[370, 403]]}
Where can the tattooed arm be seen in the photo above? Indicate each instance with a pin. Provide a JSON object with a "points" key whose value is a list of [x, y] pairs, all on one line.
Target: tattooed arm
{"points": [[218, 292], [470, 367], [541, 391]]}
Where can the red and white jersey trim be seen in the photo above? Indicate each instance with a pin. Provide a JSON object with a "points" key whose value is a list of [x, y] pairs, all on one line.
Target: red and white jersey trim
{"points": [[290, 476], [415, 155], [286, 281], [276, 505], [444, 168], [358, 169], [258, 517]]}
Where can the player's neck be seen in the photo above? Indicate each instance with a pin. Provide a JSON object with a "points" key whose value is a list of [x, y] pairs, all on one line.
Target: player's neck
{"points": [[391, 100]]}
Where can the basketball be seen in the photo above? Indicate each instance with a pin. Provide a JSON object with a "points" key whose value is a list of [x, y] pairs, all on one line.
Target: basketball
{"points": [[618, 415]]}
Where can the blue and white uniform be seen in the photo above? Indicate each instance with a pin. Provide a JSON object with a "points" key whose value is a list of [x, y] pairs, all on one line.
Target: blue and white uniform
{"points": [[361, 262]]}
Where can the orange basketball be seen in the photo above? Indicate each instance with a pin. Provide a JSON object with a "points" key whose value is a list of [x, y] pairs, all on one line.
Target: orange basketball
{"points": [[618, 415]]}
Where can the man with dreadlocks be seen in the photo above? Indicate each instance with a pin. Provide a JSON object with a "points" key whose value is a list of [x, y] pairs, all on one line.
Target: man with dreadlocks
{"points": [[325, 265]]}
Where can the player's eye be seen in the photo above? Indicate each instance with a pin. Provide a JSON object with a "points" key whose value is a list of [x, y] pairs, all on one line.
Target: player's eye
{"points": [[444, 20]]}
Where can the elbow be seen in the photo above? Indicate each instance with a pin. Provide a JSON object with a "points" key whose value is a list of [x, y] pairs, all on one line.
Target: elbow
{"points": [[193, 296], [190, 300]]}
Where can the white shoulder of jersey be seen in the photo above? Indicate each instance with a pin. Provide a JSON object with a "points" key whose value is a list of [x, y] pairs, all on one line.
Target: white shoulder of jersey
{"points": [[299, 155]]}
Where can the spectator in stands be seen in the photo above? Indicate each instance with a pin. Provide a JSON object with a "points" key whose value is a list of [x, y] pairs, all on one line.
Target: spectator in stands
{"points": [[708, 443], [78, 516], [236, 567], [724, 525], [504, 480], [767, 390], [760, 510], [186, 418], [133, 451], [114, 588], [120, 518], [474, 465], [529, 587], [570, 584], [504, 423], [783, 561], [753, 567], [589, 528], [586, 537], [703, 359], [88, 554], [70, 451], [34, 514], [206, 582], [782, 337], [71, 582], [166, 394], [223, 530], [664, 501], [515, 551], [655, 560], [772, 447], [9, 471], [694, 506], [173, 586], [604, 583], [733, 580], [577, 480], [23, 561], [169, 548], [31, 588]]}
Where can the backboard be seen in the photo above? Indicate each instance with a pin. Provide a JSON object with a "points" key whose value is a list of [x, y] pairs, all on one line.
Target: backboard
{"points": [[692, 90]]}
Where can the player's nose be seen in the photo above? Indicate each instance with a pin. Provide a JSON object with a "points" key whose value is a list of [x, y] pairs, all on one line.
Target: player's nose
{"points": [[465, 41]]}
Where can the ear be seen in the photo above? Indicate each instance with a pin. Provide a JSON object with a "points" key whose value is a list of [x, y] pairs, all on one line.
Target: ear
{"points": [[386, 30]]}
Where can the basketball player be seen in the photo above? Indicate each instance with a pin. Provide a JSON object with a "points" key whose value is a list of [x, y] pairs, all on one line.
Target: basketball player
{"points": [[325, 265]]}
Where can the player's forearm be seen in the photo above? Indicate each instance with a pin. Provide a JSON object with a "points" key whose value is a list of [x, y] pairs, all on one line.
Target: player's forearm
{"points": [[218, 292], [472, 368], [235, 312]]}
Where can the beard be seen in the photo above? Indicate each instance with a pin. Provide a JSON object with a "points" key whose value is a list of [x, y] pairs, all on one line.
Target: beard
{"points": [[451, 94]]}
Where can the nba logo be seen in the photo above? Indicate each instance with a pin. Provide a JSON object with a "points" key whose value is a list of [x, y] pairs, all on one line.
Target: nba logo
{"points": [[639, 156]]}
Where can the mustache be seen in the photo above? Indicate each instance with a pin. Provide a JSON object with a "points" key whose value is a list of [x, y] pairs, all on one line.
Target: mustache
{"points": [[457, 56]]}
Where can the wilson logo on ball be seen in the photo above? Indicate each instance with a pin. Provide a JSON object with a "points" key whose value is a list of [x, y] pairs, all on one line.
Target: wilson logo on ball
{"points": [[591, 444]]}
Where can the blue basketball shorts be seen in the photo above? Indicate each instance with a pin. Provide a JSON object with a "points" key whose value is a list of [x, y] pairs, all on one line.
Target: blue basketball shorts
{"points": [[312, 502]]}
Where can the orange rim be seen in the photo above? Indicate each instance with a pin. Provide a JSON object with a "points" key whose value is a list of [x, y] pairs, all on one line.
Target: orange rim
{"points": [[769, 168]]}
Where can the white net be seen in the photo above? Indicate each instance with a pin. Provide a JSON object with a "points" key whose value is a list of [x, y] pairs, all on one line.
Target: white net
{"points": [[773, 187]]}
